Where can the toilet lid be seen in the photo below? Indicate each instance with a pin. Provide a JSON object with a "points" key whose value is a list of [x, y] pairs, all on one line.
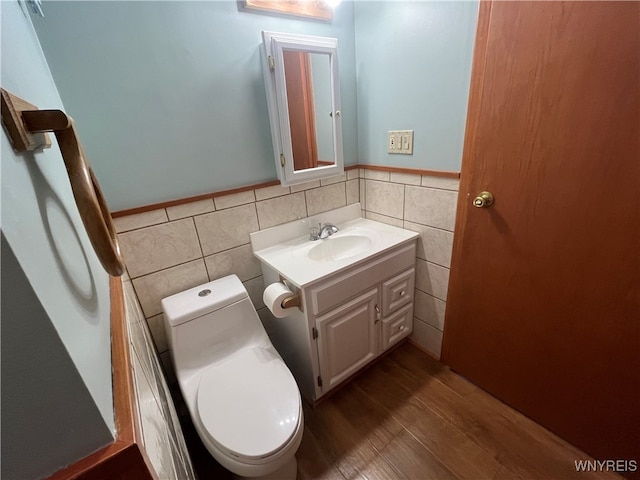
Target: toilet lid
{"points": [[250, 404]]}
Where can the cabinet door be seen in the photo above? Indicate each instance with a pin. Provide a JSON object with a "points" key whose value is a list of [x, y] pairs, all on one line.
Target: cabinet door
{"points": [[347, 338]]}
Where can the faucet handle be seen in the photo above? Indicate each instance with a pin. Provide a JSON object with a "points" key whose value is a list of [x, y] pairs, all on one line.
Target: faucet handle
{"points": [[314, 232]]}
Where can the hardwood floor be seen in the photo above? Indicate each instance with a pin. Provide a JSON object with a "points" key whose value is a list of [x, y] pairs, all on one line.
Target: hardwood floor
{"points": [[408, 416]]}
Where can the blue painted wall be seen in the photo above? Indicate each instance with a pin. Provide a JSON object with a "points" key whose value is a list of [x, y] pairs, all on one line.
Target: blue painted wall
{"points": [[57, 399], [413, 70], [169, 96]]}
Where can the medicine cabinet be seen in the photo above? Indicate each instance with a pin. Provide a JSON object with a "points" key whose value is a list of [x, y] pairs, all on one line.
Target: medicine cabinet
{"points": [[303, 95]]}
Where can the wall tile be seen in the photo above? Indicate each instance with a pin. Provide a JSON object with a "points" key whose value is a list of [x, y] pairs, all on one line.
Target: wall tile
{"points": [[353, 191], [219, 231], [384, 198], [224, 235], [430, 309], [151, 289], [376, 175], [239, 260], [234, 199], [191, 209], [255, 289], [304, 186], [152, 425], [140, 220], [427, 337], [154, 248], [432, 279], [158, 333], [428, 206], [270, 192], [434, 245], [406, 178], [441, 182], [326, 198], [335, 179], [277, 211], [167, 366], [384, 219]]}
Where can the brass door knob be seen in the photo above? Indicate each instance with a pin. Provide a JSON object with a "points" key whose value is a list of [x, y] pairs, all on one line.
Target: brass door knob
{"points": [[483, 200]]}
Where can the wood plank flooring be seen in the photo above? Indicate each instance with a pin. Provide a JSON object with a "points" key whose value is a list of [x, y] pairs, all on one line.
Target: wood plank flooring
{"points": [[410, 417]]}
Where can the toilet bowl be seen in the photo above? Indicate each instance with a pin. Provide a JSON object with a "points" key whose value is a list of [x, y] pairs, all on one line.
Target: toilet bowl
{"points": [[242, 398]]}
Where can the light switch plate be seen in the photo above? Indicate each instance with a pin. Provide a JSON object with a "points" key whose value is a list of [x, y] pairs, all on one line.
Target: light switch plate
{"points": [[400, 142]]}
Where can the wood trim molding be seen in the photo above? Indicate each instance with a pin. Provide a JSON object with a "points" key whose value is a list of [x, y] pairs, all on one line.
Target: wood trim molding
{"points": [[411, 171], [124, 458], [246, 188], [182, 201]]}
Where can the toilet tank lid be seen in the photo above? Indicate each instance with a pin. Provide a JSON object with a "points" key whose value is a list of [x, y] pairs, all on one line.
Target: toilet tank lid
{"points": [[197, 301]]}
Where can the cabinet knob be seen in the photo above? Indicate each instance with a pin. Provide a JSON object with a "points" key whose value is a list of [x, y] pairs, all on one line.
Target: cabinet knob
{"points": [[402, 293], [377, 309], [401, 327]]}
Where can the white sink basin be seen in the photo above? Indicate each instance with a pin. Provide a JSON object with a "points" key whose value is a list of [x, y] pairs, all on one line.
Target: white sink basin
{"points": [[287, 251], [344, 245], [339, 248]]}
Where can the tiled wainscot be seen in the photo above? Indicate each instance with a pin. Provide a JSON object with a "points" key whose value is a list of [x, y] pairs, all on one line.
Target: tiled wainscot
{"points": [[171, 249], [427, 205]]}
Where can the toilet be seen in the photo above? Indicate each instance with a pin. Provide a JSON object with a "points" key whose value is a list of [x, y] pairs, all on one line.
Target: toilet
{"points": [[243, 400]]}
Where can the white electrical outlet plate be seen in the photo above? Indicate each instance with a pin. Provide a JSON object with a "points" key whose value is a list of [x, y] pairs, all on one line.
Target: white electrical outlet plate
{"points": [[393, 142], [400, 141]]}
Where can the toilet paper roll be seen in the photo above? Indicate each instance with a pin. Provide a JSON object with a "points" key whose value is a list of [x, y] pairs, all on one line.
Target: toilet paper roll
{"points": [[273, 296]]}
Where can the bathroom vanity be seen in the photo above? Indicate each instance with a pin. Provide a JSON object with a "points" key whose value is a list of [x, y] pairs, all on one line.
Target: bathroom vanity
{"points": [[355, 291]]}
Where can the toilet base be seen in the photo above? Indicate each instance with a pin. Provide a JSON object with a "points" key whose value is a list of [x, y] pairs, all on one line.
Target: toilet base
{"points": [[289, 471]]}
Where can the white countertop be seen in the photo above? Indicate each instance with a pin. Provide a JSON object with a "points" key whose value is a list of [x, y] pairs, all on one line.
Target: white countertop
{"points": [[290, 256]]}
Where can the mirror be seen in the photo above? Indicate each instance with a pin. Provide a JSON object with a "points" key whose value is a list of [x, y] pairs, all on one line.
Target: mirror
{"points": [[308, 81], [301, 78]]}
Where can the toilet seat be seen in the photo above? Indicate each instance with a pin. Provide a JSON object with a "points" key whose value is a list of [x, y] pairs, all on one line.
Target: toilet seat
{"points": [[249, 406]]}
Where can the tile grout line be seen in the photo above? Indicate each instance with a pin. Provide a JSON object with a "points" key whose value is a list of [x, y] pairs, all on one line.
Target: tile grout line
{"points": [[416, 288], [429, 226], [166, 268], [427, 323], [193, 221]]}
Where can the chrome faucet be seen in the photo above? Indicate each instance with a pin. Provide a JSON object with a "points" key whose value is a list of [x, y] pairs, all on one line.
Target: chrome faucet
{"points": [[322, 231]]}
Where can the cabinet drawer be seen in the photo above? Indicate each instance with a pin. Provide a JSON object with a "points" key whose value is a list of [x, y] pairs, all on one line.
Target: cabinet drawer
{"points": [[397, 326], [397, 291], [344, 286]]}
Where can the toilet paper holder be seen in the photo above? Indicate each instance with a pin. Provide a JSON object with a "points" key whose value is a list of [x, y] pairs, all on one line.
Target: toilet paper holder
{"points": [[293, 301]]}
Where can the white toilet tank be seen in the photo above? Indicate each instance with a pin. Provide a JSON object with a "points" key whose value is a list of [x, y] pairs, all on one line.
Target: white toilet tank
{"points": [[205, 324]]}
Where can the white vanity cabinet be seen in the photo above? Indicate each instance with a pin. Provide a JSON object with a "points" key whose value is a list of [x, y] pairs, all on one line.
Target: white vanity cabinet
{"points": [[355, 293], [359, 313]]}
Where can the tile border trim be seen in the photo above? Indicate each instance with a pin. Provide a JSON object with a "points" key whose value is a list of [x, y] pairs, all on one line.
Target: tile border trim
{"points": [[220, 193]]}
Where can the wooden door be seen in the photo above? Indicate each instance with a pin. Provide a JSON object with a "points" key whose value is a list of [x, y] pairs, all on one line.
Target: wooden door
{"points": [[347, 339], [543, 307]]}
